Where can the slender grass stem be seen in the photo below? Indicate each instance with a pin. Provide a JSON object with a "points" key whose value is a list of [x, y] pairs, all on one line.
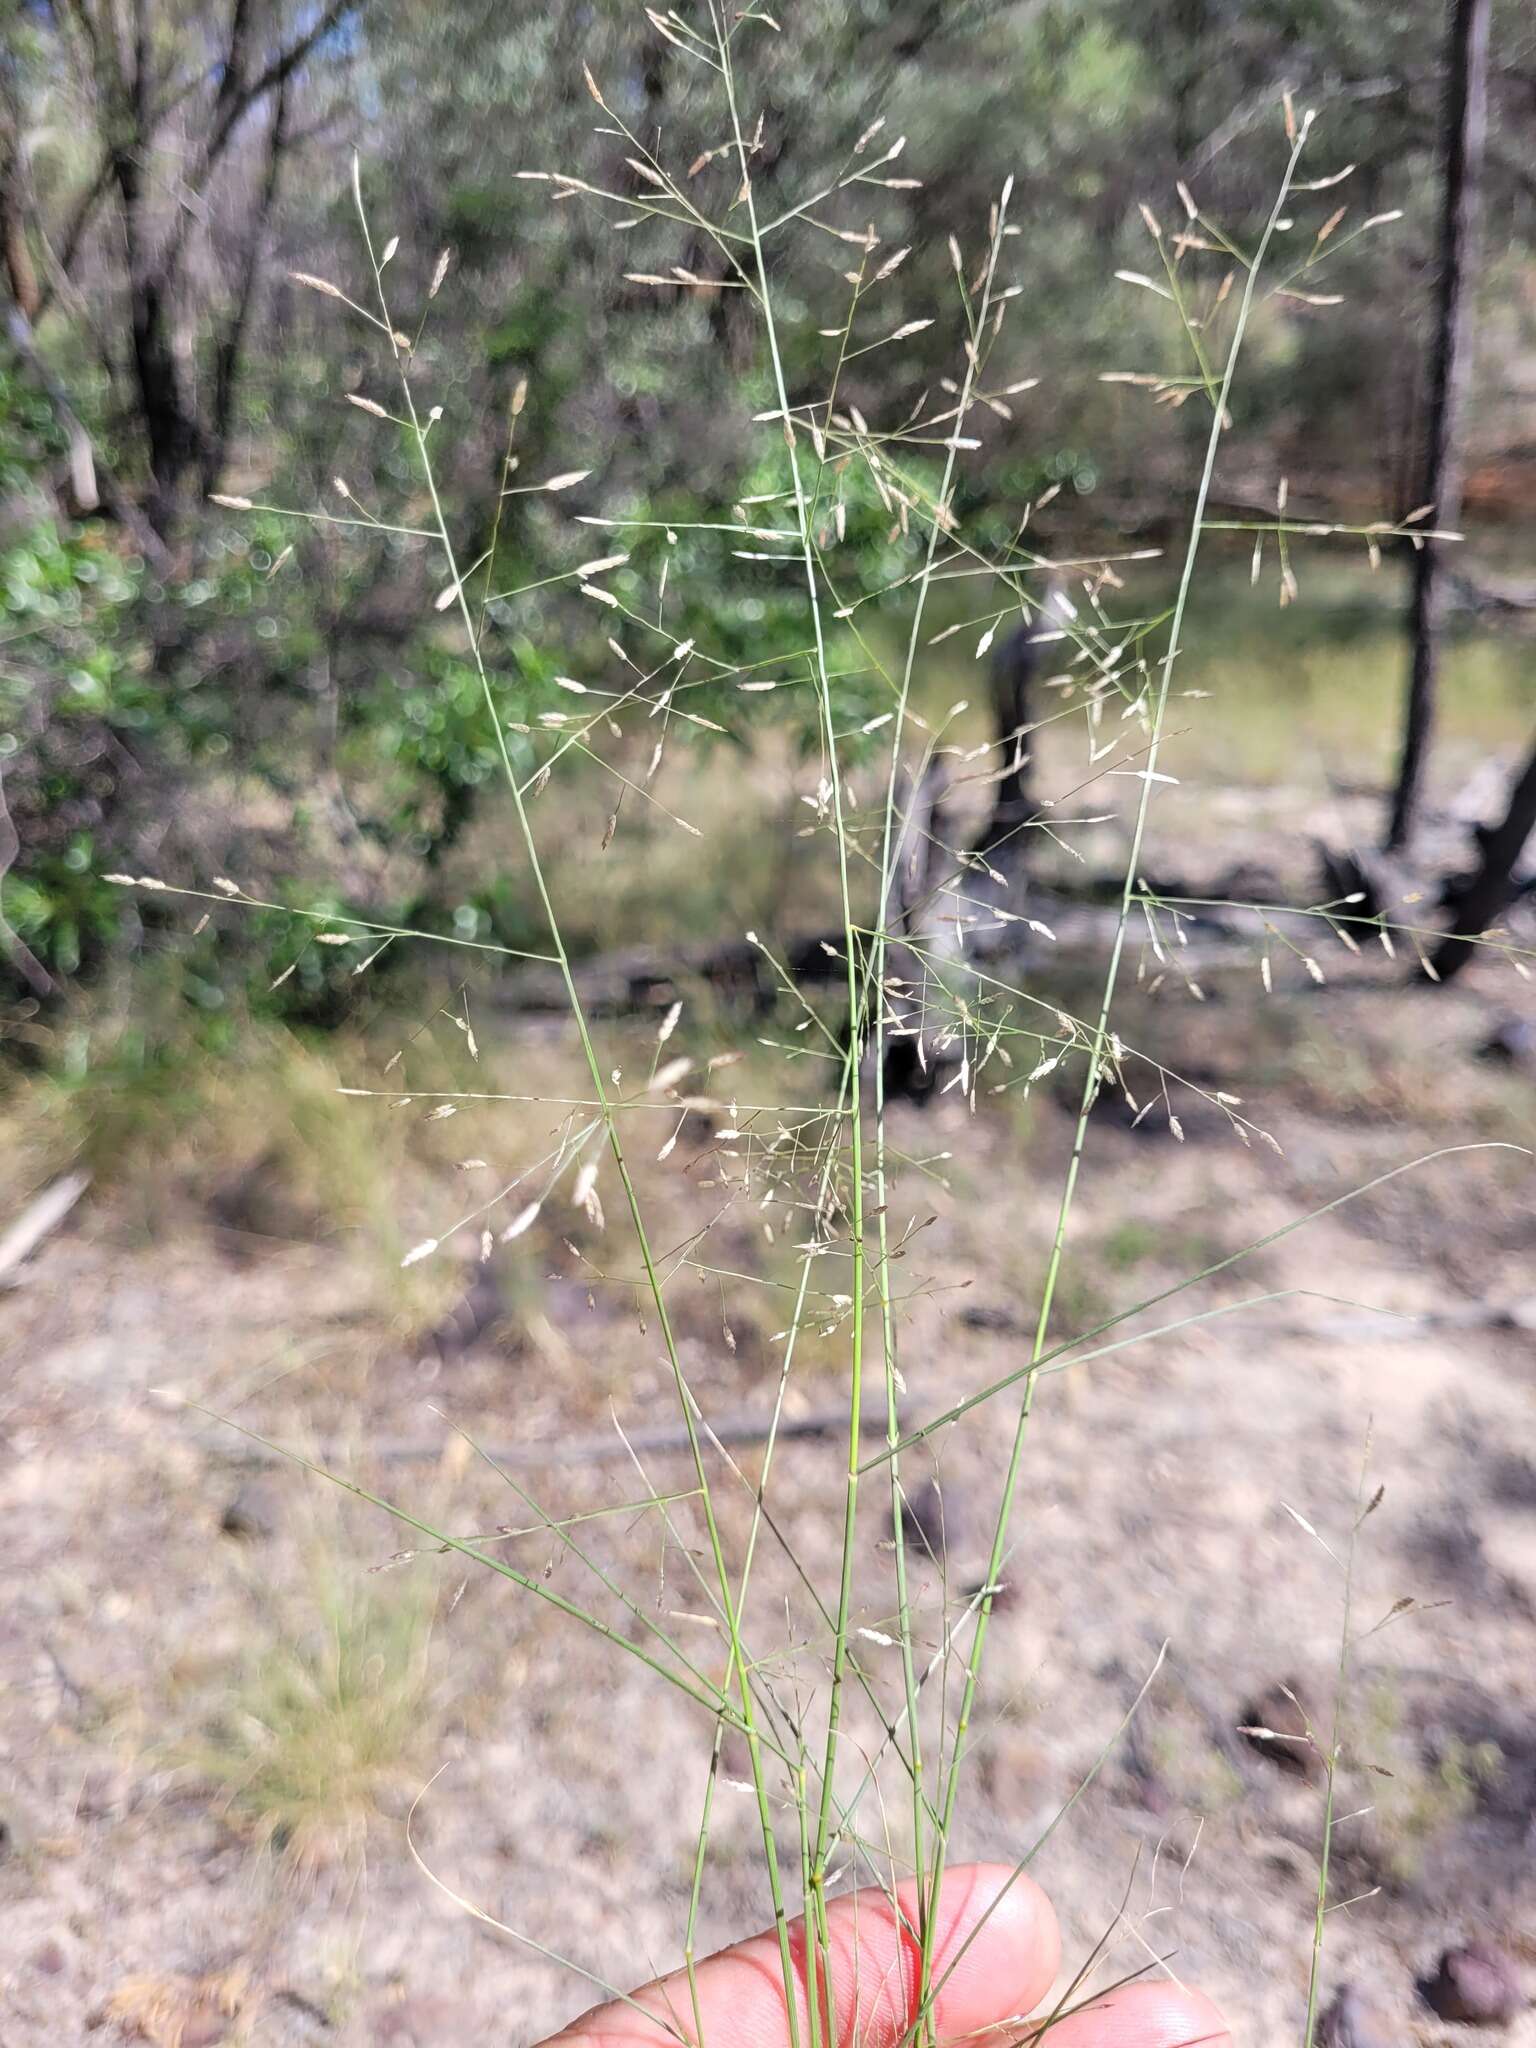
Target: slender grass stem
{"points": [[1333, 1755], [589, 1052], [1101, 1033], [891, 843], [816, 1989]]}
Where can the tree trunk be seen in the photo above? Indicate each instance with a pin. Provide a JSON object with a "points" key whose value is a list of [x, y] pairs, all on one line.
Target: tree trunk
{"points": [[14, 253], [912, 997], [169, 429], [229, 353], [1463, 132], [170, 433], [1479, 901], [1013, 669]]}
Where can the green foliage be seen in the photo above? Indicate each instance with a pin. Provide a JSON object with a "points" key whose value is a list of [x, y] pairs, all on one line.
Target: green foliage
{"points": [[62, 909], [117, 1091], [146, 719], [426, 730], [70, 686]]}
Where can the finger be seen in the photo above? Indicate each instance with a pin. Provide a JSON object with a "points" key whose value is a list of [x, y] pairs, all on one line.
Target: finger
{"points": [[1143, 2016], [1004, 1970]]}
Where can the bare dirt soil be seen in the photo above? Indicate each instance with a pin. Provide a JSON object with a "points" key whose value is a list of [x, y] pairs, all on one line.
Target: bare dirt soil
{"points": [[183, 1860]]}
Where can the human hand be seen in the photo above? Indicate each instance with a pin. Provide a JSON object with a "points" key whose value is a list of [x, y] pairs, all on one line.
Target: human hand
{"points": [[1003, 1973]]}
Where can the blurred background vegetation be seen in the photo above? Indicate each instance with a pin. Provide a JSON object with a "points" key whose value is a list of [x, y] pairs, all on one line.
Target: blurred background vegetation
{"points": [[190, 691]]}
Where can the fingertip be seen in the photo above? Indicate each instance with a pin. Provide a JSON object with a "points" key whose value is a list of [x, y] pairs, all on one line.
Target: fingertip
{"points": [[999, 1946], [1160, 2015]]}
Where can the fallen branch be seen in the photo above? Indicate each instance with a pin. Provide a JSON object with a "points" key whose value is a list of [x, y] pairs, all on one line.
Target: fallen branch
{"points": [[1499, 878], [1367, 1322], [642, 978], [656, 1441], [1488, 594], [41, 1217]]}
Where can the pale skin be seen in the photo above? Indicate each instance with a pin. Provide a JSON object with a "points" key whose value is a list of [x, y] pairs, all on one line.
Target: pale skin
{"points": [[995, 1968]]}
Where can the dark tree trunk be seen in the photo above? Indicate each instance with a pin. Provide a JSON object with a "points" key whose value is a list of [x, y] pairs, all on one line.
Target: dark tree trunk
{"points": [[1192, 27], [911, 996], [170, 433], [169, 430], [1480, 899], [229, 354], [1464, 131]]}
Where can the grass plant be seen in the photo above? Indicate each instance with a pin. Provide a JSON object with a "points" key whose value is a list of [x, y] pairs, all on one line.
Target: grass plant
{"points": [[856, 1727]]}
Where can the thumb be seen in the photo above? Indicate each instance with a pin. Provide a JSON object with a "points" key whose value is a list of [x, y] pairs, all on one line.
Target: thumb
{"points": [[1004, 1971]]}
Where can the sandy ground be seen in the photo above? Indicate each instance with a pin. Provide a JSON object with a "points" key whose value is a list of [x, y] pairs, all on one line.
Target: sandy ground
{"points": [[1153, 1511]]}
